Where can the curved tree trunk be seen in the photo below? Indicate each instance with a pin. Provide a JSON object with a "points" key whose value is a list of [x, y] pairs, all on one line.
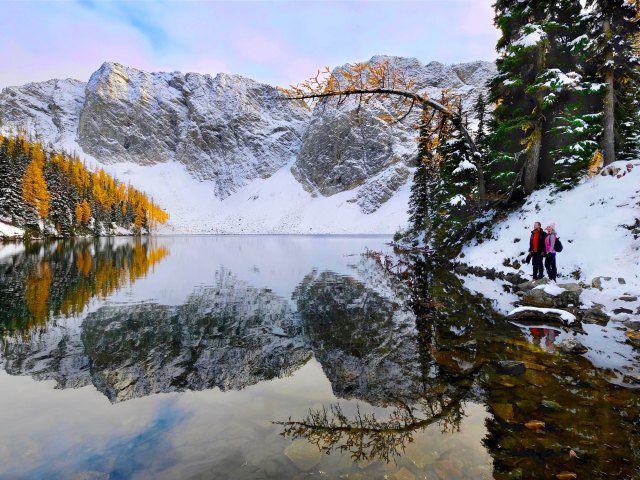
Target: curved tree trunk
{"points": [[425, 102]]}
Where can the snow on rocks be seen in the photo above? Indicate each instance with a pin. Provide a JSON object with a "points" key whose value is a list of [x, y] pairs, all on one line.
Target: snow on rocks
{"points": [[599, 224], [224, 154], [551, 289], [617, 298], [542, 313], [542, 293]]}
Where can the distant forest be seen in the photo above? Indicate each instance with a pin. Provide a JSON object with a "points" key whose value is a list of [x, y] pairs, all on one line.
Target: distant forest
{"points": [[51, 193]]}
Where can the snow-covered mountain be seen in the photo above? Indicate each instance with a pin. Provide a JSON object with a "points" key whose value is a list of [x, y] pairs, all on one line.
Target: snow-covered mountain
{"points": [[226, 154]]}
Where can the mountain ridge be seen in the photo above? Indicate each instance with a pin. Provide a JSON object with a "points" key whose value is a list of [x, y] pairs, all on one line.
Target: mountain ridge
{"points": [[226, 134]]}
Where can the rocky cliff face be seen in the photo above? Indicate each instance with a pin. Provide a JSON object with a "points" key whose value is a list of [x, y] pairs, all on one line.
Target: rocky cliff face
{"points": [[351, 145], [226, 128], [50, 108]]}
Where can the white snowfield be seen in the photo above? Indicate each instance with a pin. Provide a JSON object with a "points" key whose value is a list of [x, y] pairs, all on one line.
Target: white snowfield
{"points": [[551, 289], [590, 220], [9, 231], [275, 205]]}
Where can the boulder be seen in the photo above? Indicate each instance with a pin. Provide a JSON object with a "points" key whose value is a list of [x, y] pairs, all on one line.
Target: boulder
{"points": [[633, 325], [611, 171], [511, 367], [542, 314], [633, 337], [529, 285], [572, 345], [618, 311], [598, 281], [570, 287], [553, 296], [595, 315], [628, 298]]}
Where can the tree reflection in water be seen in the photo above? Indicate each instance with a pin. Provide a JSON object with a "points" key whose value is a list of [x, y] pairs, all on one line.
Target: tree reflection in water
{"points": [[367, 437], [590, 426], [61, 278], [436, 391]]}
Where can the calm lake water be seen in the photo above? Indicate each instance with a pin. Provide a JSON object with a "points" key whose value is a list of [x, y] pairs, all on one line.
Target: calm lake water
{"points": [[284, 357]]}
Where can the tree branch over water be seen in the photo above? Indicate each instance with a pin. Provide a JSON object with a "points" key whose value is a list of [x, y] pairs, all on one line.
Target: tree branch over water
{"points": [[385, 81]]}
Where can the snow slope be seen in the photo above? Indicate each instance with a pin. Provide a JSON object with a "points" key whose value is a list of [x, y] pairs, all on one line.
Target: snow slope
{"points": [[589, 220], [9, 231], [277, 204]]}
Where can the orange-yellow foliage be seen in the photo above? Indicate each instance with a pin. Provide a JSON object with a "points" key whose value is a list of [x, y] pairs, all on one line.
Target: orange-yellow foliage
{"points": [[595, 164], [106, 193], [83, 212], [34, 188], [36, 293]]}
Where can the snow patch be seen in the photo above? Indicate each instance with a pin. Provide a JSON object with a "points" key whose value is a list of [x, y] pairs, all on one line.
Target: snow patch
{"points": [[551, 289], [590, 219], [564, 315], [9, 231]]}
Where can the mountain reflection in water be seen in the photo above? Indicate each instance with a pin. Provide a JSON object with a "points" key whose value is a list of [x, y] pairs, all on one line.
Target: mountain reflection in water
{"points": [[405, 357]]}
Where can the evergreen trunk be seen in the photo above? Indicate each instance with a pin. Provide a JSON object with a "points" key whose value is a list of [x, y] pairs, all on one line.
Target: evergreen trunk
{"points": [[534, 142], [533, 160], [608, 135]]}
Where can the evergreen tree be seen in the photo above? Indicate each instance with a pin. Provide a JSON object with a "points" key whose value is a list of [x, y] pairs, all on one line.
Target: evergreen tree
{"points": [[458, 196], [62, 197], [480, 111], [13, 159], [613, 28], [537, 70], [423, 196], [573, 119], [418, 212], [7, 178], [58, 191]]}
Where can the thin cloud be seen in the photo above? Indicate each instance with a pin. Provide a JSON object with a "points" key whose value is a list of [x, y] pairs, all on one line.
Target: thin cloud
{"points": [[277, 42]]}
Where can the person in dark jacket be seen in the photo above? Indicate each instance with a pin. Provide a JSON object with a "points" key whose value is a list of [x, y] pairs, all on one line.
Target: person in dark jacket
{"points": [[537, 249]]}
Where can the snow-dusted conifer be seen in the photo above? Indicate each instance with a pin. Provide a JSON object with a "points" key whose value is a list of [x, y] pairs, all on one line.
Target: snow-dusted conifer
{"points": [[480, 114], [424, 197], [571, 99], [458, 188], [614, 26], [537, 74]]}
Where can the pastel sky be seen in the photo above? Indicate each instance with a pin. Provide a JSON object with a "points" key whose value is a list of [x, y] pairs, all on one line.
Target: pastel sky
{"points": [[277, 42]]}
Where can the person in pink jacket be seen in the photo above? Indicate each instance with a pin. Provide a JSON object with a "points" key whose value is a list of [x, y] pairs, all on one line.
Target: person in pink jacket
{"points": [[550, 258]]}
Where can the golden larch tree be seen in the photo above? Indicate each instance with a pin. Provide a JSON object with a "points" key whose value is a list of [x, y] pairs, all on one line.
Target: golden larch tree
{"points": [[34, 188]]}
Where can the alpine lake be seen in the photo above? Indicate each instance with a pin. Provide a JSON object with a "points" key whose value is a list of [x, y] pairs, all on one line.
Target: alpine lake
{"points": [[259, 357]]}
